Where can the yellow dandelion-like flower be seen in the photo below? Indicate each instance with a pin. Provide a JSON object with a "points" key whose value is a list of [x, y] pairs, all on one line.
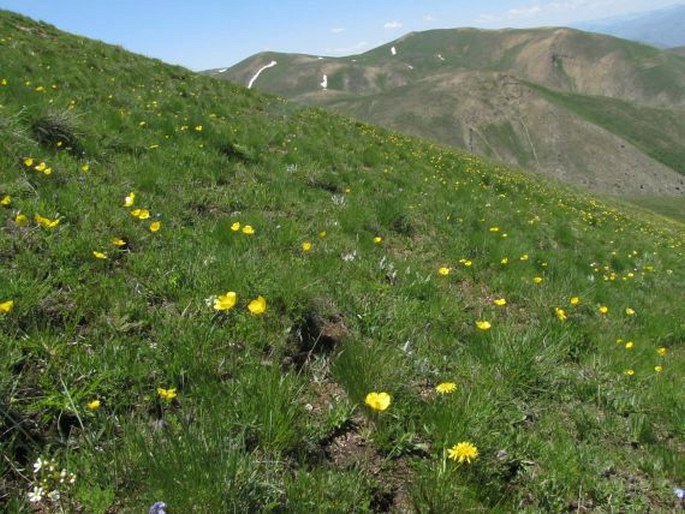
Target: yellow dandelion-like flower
{"points": [[445, 387], [505, 260], [630, 312], [225, 302], [99, 255], [560, 313], [28, 162], [46, 222], [444, 271], [377, 240], [6, 306], [248, 230], [483, 325], [117, 241], [378, 401], [93, 405], [537, 280], [6, 200], [323, 233], [155, 226], [166, 394], [630, 345], [463, 452], [629, 372], [21, 220], [306, 246], [524, 257], [257, 306], [85, 168], [658, 369], [662, 351], [500, 302], [575, 300], [236, 226], [198, 128], [494, 229], [130, 199], [603, 309]]}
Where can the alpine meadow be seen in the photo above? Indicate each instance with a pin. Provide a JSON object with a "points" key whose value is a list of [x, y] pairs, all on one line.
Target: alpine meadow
{"points": [[217, 299]]}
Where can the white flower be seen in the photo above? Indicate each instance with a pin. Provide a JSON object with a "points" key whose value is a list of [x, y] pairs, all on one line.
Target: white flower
{"points": [[38, 465], [36, 494], [54, 495]]}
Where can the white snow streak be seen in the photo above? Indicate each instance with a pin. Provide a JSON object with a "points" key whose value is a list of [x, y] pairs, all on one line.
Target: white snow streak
{"points": [[393, 50], [324, 82], [270, 65]]}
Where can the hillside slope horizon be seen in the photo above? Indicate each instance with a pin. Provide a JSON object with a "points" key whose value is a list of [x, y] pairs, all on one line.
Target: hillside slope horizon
{"points": [[590, 109]]}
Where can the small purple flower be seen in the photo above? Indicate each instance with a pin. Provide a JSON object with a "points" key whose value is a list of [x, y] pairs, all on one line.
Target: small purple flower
{"points": [[158, 508]]}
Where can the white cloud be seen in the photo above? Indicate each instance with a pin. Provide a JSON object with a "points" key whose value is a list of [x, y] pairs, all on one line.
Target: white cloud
{"points": [[392, 25], [337, 30], [525, 12]]}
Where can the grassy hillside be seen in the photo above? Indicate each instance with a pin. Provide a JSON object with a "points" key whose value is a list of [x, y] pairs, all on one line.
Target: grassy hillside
{"points": [[490, 93], [202, 285]]}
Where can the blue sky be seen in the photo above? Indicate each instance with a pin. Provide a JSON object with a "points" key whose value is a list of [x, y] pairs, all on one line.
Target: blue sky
{"points": [[203, 34]]}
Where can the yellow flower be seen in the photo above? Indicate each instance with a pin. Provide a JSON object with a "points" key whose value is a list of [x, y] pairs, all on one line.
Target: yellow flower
{"points": [[524, 257], [500, 302], [464, 451], [378, 401], [225, 302], [662, 351], [306, 246], [603, 309], [537, 280], [446, 387], [6, 200], [444, 271], [28, 162], [323, 233], [560, 313], [630, 345], [629, 372], [505, 260], [6, 306], [85, 167], [198, 128], [130, 199], [141, 214], [378, 240], [658, 369], [21, 220], [630, 312], [155, 226], [483, 325], [494, 229], [575, 300], [248, 230], [117, 241], [93, 405], [46, 222], [100, 255], [257, 306], [166, 394], [236, 226]]}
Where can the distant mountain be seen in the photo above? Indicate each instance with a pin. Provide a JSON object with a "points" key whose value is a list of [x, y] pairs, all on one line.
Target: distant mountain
{"points": [[679, 50], [663, 27], [590, 109]]}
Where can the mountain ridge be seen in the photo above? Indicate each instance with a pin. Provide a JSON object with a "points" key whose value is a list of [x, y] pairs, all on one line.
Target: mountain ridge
{"points": [[479, 80]]}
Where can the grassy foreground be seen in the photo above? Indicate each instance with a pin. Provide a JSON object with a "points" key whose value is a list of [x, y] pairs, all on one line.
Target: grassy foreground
{"points": [[201, 285]]}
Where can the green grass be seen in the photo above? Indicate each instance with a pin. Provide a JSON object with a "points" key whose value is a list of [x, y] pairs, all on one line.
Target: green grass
{"points": [[268, 413]]}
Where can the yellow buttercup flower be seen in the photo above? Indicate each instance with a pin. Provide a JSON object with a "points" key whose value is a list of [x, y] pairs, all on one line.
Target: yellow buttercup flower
{"points": [[662, 351], [141, 214], [257, 306], [236, 226], [630, 312], [306, 246], [198, 128], [100, 255], [444, 271], [21, 220], [166, 394], [658, 369], [6, 306], [463, 452], [117, 241], [483, 325], [603, 309], [46, 222], [630, 345], [225, 302], [130, 199], [378, 401], [446, 387], [377, 240], [560, 313], [500, 302], [155, 226], [6, 200], [575, 300], [537, 280], [505, 260], [93, 405], [248, 230], [28, 162], [629, 372]]}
